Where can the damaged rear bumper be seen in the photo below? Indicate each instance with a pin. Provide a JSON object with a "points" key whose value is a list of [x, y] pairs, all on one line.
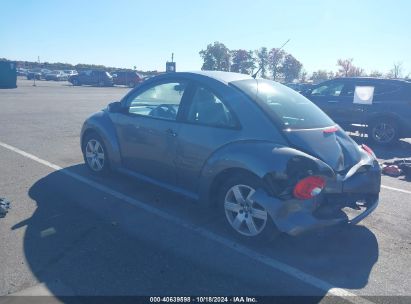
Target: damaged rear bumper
{"points": [[346, 199]]}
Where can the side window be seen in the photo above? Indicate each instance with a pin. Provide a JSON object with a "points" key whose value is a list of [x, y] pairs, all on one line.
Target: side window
{"points": [[383, 88], [389, 92], [207, 109], [348, 90], [160, 101], [329, 89]]}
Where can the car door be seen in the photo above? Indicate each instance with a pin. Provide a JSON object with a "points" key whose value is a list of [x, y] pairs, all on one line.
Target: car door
{"points": [[82, 77], [207, 124], [85, 77], [148, 130], [335, 97], [95, 77]]}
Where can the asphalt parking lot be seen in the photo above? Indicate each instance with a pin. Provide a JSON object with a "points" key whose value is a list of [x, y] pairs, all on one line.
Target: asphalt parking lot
{"points": [[70, 233]]}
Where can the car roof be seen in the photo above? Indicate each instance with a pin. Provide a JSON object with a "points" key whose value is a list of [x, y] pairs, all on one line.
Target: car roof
{"points": [[225, 77], [375, 79]]}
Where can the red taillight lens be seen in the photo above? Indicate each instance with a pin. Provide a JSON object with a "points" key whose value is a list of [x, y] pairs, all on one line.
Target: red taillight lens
{"points": [[368, 150], [309, 187]]}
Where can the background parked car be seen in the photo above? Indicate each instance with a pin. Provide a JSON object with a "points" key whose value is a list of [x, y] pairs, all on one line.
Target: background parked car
{"points": [[300, 87], [387, 118], [70, 72], [128, 78], [56, 76], [44, 72], [22, 71], [34, 74], [92, 77]]}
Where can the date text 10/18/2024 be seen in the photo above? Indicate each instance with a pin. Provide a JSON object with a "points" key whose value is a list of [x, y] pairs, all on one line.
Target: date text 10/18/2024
{"points": [[203, 300]]}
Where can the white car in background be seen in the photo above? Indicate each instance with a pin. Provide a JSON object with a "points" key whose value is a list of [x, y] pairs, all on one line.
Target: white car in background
{"points": [[70, 72]]}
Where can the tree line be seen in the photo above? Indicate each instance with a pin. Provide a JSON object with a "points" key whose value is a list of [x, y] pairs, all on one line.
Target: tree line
{"points": [[273, 63], [277, 64]]}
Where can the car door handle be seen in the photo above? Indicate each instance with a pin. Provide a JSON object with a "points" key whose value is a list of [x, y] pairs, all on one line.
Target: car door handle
{"points": [[332, 101], [171, 132]]}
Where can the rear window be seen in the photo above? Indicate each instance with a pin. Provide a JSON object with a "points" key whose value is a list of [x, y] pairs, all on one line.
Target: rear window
{"points": [[288, 108]]}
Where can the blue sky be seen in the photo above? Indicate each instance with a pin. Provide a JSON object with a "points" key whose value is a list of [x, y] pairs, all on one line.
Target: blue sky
{"points": [[144, 33]]}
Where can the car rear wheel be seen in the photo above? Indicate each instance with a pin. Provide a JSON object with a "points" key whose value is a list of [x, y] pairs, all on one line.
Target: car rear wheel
{"points": [[95, 154], [247, 218], [75, 82], [384, 131]]}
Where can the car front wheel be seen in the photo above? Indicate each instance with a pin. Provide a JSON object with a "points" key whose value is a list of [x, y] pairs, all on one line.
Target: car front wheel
{"points": [[246, 217], [95, 154]]}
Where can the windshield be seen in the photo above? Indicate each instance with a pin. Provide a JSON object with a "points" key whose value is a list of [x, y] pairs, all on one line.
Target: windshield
{"points": [[287, 107]]}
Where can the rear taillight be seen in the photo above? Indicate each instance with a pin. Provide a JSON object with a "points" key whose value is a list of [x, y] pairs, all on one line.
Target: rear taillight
{"points": [[368, 150], [309, 187]]}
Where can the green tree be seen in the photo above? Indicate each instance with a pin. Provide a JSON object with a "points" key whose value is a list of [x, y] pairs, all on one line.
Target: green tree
{"points": [[291, 68], [216, 57], [396, 71], [320, 76], [262, 60], [275, 59], [303, 75], [243, 61], [347, 69], [375, 73]]}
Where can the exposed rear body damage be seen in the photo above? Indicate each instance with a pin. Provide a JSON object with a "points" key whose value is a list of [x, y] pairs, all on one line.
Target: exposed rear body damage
{"points": [[347, 198]]}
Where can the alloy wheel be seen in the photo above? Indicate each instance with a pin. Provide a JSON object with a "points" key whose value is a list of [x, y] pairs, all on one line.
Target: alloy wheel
{"points": [[383, 132], [244, 215], [95, 155]]}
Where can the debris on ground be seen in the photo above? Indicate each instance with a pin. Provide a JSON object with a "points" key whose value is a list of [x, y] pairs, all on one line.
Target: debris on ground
{"points": [[392, 170], [4, 207], [397, 168]]}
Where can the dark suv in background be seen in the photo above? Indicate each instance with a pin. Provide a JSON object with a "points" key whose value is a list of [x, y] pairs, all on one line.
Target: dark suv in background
{"points": [[92, 77], [128, 78], [387, 115]]}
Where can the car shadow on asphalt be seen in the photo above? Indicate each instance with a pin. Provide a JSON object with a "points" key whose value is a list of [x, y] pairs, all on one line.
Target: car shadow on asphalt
{"points": [[90, 243]]}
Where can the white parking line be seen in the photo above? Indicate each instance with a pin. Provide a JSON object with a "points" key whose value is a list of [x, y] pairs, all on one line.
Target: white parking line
{"points": [[268, 261], [396, 189]]}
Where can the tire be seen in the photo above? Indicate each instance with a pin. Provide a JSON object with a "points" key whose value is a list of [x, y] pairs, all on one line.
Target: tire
{"points": [[131, 84], [384, 131], [251, 221], [75, 82], [101, 84], [95, 154]]}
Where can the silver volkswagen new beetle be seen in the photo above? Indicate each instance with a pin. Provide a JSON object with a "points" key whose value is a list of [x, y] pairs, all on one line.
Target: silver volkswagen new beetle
{"points": [[268, 157]]}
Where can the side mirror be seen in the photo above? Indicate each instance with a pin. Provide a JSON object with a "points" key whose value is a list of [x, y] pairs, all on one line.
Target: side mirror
{"points": [[115, 107]]}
